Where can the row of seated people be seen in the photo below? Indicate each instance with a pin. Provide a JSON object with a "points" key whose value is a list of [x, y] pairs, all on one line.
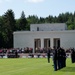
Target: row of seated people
{"points": [[11, 53], [27, 50]]}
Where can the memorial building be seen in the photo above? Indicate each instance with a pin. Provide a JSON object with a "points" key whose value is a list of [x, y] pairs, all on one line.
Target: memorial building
{"points": [[44, 36]]}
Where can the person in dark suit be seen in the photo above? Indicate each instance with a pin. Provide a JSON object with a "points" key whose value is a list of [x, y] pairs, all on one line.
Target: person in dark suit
{"points": [[63, 58], [16, 54], [55, 58], [60, 58], [48, 54], [72, 55]]}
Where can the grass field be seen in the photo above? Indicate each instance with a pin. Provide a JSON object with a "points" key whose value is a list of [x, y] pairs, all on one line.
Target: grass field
{"points": [[33, 66]]}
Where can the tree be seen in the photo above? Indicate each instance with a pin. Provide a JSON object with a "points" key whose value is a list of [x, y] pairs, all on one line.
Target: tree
{"points": [[33, 19], [23, 22], [71, 27], [49, 19], [55, 19], [1, 32], [74, 23], [9, 27], [42, 20]]}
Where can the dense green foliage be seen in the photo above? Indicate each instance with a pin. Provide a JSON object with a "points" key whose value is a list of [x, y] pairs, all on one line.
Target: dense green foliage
{"points": [[8, 24], [33, 66]]}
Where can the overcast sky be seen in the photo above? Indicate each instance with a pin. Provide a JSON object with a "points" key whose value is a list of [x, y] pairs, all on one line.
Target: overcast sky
{"points": [[41, 8]]}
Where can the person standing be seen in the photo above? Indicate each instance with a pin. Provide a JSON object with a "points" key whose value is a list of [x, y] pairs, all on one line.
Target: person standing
{"points": [[55, 61], [48, 54], [16, 54], [72, 55], [60, 58], [64, 57]]}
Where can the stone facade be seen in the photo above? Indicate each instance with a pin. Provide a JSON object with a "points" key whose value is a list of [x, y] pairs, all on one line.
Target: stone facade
{"points": [[32, 39], [48, 27]]}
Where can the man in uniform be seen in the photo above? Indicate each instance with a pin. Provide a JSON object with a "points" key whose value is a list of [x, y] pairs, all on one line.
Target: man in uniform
{"points": [[48, 54], [55, 61]]}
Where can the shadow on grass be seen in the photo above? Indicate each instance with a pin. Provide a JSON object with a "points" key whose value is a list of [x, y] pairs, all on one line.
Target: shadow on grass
{"points": [[68, 69]]}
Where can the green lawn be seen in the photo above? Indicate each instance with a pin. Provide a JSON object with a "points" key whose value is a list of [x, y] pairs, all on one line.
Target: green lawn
{"points": [[33, 66]]}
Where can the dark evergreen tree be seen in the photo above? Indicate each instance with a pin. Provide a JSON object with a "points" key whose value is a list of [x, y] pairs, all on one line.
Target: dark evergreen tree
{"points": [[1, 30], [23, 22], [49, 19], [33, 19], [42, 20], [8, 27]]}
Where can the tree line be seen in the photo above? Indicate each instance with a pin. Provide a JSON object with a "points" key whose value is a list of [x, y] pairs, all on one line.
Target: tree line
{"points": [[8, 24]]}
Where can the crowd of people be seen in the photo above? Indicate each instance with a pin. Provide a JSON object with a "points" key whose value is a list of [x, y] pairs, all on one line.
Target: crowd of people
{"points": [[59, 57], [11, 53], [28, 50], [19, 50]]}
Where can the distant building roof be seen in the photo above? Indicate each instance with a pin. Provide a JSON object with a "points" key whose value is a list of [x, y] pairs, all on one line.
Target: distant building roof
{"points": [[48, 27]]}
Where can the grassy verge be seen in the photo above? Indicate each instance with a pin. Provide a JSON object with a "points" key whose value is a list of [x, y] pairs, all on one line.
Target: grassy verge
{"points": [[33, 66]]}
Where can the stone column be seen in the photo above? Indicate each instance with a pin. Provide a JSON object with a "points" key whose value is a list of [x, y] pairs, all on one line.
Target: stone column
{"points": [[52, 43], [42, 43]]}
